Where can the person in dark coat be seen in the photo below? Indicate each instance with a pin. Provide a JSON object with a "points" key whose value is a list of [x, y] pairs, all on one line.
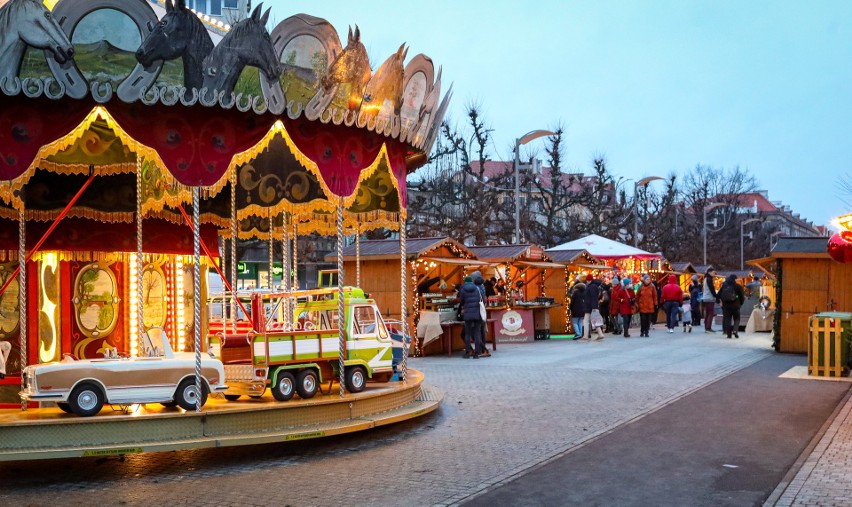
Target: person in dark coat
{"points": [[592, 299], [695, 291], [480, 284], [732, 296], [578, 308], [469, 298]]}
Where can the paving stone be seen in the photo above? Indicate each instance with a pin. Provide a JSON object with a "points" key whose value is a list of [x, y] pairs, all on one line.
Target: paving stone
{"points": [[501, 416]]}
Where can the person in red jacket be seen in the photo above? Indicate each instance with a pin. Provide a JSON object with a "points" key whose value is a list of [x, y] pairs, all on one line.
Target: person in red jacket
{"points": [[672, 298], [626, 300]]}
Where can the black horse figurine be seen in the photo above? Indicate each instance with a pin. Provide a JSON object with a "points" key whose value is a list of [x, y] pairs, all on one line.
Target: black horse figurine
{"points": [[248, 43], [179, 34]]}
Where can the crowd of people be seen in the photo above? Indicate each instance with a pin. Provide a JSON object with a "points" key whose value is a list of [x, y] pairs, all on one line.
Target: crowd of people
{"points": [[608, 305]]}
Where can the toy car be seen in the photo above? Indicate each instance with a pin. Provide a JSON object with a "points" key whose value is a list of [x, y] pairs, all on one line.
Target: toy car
{"points": [[158, 375]]}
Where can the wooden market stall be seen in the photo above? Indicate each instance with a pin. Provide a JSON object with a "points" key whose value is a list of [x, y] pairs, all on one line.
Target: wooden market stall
{"points": [[522, 313], [807, 281], [575, 262], [437, 266]]}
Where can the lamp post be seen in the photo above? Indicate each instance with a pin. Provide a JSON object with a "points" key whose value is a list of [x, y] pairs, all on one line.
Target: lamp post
{"points": [[641, 183], [742, 236], [709, 207], [529, 136]]}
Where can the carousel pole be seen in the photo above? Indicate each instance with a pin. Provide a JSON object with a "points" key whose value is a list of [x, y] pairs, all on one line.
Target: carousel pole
{"points": [[22, 295], [196, 280], [234, 253], [341, 315], [357, 256], [285, 273], [403, 309], [139, 290], [270, 278], [295, 259]]}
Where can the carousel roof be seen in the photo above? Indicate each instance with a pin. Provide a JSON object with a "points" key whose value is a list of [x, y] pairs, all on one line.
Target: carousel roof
{"points": [[301, 126], [604, 248]]}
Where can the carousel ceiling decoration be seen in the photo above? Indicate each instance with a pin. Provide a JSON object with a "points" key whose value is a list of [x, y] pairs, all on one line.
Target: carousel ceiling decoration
{"points": [[107, 51]]}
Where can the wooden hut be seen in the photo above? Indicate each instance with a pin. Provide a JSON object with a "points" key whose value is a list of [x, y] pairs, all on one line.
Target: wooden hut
{"points": [[807, 281]]}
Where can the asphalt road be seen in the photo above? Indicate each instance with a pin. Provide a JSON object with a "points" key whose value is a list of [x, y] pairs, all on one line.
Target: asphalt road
{"points": [[730, 443]]}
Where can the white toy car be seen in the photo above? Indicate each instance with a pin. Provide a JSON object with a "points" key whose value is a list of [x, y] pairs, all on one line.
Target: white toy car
{"points": [[159, 375]]}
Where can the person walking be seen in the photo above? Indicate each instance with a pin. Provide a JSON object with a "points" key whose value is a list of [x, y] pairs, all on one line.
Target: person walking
{"points": [[732, 295], [672, 296], [469, 298], [627, 299], [709, 300], [578, 308], [615, 297], [592, 307], [695, 297], [646, 298]]}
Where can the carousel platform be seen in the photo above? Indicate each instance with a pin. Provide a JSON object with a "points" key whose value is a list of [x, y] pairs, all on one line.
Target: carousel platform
{"points": [[47, 433]]}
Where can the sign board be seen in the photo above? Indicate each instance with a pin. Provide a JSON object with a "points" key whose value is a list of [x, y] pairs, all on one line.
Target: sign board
{"points": [[514, 325]]}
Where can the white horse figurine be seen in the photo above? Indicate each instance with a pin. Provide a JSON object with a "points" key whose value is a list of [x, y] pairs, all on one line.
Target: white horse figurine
{"points": [[26, 23]]}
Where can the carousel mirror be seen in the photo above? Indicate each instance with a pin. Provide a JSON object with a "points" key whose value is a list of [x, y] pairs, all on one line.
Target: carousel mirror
{"points": [[96, 300], [153, 296]]}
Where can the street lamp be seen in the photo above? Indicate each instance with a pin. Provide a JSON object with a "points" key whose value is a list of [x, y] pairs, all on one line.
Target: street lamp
{"points": [[709, 207], [529, 136], [641, 183], [742, 236]]}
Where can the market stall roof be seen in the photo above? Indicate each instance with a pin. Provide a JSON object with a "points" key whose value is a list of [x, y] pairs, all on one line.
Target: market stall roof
{"points": [[683, 267], [571, 256], [815, 247], [604, 248], [509, 253], [389, 249]]}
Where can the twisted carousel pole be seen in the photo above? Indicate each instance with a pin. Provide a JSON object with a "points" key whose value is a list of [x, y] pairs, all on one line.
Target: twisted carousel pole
{"points": [[140, 325], [341, 316], [234, 252], [196, 280], [22, 295], [403, 268]]}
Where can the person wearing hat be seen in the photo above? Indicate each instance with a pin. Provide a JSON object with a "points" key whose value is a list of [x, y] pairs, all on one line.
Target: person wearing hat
{"points": [[592, 299], [469, 298], [695, 291]]}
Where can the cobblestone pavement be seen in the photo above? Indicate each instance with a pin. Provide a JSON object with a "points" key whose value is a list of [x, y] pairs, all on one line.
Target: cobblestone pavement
{"points": [[501, 416], [825, 477]]}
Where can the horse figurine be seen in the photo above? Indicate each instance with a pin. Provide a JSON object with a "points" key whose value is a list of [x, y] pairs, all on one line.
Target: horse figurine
{"points": [[179, 34], [248, 43], [26, 23], [386, 85], [348, 73]]}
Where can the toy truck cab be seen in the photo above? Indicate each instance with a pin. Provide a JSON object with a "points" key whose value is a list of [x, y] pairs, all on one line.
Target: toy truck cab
{"points": [[294, 345]]}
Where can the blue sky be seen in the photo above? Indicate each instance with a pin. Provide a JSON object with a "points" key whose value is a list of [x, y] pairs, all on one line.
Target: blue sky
{"points": [[655, 86]]}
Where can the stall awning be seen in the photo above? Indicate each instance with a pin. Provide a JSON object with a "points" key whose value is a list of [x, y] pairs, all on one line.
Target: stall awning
{"points": [[542, 264], [453, 260]]}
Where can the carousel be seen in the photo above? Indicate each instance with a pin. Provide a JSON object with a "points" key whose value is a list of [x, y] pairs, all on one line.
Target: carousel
{"points": [[138, 144]]}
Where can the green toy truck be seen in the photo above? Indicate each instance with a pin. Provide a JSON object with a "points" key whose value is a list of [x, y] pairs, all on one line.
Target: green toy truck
{"points": [[296, 355]]}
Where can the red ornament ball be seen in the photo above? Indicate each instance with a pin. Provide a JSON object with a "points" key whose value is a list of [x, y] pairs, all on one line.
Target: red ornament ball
{"points": [[840, 247]]}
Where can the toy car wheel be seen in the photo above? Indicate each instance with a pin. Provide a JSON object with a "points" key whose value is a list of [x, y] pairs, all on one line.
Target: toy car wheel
{"points": [[232, 397], [307, 384], [285, 386], [64, 407], [86, 400], [356, 379], [187, 396]]}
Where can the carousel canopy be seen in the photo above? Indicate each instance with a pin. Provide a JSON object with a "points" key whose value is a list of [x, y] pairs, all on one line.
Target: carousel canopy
{"points": [[606, 249], [292, 122]]}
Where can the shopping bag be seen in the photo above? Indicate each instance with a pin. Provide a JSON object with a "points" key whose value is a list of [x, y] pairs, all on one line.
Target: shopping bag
{"points": [[596, 320]]}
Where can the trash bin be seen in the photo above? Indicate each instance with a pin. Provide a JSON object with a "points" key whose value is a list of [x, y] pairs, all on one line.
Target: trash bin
{"points": [[829, 344]]}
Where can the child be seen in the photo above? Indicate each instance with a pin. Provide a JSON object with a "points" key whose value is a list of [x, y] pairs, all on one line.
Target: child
{"points": [[687, 314]]}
